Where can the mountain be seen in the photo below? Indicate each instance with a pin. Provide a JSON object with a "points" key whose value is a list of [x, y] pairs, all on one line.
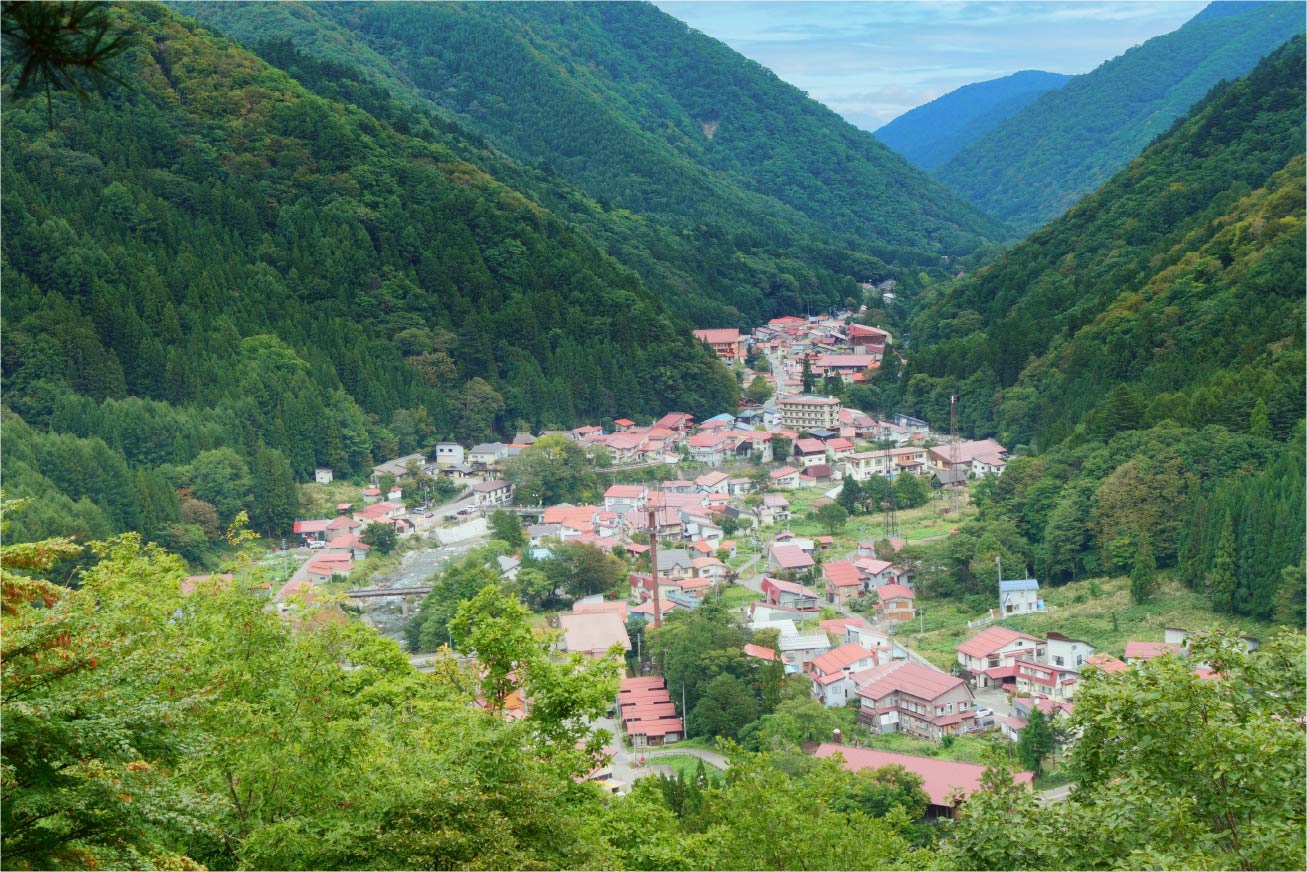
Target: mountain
{"points": [[1039, 161], [933, 132], [215, 266], [1144, 357], [750, 198]]}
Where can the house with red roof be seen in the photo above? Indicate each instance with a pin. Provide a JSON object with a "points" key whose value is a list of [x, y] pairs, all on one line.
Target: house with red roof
{"points": [[897, 603], [624, 497], [710, 447], [832, 673], [943, 780], [712, 482], [862, 336], [809, 451], [1050, 681], [674, 421], [760, 652], [1106, 662], [340, 527], [786, 476], [1138, 652], [790, 558], [977, 458], [622, 424], [875, 572], [708, 568], [843, 581], [725, 342], [788, 594], [989, 658], [845, 366], [312, 530], [906, 697], [817, 473]]}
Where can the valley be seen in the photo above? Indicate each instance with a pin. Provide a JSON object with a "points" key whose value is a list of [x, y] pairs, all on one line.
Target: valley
{"points": [[503, 435]]}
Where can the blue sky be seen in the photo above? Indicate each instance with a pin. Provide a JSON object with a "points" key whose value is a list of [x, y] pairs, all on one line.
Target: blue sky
{"points": [[873, 61]]}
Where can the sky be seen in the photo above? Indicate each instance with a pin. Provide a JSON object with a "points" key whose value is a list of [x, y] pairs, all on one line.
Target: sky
{"points": [[873, 61]]}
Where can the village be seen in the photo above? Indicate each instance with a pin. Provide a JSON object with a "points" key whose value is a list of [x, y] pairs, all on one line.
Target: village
{"points": [[732, 508]]}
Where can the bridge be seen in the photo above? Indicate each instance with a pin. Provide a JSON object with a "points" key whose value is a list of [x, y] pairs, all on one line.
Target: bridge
{"points": [[372, 592]]}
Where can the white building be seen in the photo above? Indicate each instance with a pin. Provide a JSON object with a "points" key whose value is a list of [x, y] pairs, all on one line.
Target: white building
{"points": [[1019, 596], [322, 475], [1067, 653], [449, 454]]}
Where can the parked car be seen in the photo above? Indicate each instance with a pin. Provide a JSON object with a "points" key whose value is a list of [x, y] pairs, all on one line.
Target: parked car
{"points": [[316, 544], [984, 716]]}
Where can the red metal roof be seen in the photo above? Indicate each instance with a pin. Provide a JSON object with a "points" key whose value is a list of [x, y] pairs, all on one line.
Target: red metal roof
{"points": [[842, 573], [992, 639], [838, 659], [941, 777]]}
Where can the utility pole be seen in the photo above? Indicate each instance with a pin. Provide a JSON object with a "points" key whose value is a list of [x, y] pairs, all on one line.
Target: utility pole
{"points": [[1002, 612], [891, 514], [653, 563], [954, 461]]}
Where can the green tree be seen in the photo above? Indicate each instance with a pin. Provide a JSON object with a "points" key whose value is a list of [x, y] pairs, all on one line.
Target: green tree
{"points": [[724, 706], [832, 516], [63, 46], [1221, 575], [809, 381], [494, 628], [1036, 741], [221, 478], [782, 447], [759, 391], [1143, 573], [850, 496], [507, 528], [276, 496], [910, 491], [534, 586], [1259, 421], [380, 536], [553, 470]]}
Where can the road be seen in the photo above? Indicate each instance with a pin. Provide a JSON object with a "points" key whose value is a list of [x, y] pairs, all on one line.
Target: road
{"points": [[626, 765], [1056, 794]]}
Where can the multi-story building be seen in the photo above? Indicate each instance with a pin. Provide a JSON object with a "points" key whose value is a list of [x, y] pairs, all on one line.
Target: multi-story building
{"points": [[726, 343], [805, 411], [892, 461], [905, 697]]}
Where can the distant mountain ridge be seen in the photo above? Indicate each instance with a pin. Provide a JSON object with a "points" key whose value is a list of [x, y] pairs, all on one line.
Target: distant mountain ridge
{"points": [[733, 194], [932, 133], [1039, 161]]}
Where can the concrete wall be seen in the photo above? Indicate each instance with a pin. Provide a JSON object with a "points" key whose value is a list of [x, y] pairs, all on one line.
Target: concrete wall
{"points": [[461, 533]]}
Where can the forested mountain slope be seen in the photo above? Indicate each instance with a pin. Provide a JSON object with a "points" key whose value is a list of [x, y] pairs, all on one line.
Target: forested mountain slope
{"points": [[752, 191], [215, 259], [1041, 160], [933, 132], [1150, 344]]}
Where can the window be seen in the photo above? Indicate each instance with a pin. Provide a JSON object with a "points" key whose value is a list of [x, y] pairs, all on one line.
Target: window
{"points": [[993, 663], [1057, 660]]}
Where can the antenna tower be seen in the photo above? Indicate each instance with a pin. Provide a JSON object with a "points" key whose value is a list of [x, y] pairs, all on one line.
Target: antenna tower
{"points": [[954, 458]]}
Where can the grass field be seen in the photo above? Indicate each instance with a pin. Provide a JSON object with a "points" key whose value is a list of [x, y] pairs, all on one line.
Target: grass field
{"points": [[685, 765], [1099, 611], [922, 523], [320, 500], [965, 749]]}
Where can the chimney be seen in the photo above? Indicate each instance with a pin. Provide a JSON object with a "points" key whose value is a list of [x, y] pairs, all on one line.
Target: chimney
{"points": [[837, 737]]}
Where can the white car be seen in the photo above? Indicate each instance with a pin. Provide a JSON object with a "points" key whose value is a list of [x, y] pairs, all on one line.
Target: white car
{"points": [[316, 544]]}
